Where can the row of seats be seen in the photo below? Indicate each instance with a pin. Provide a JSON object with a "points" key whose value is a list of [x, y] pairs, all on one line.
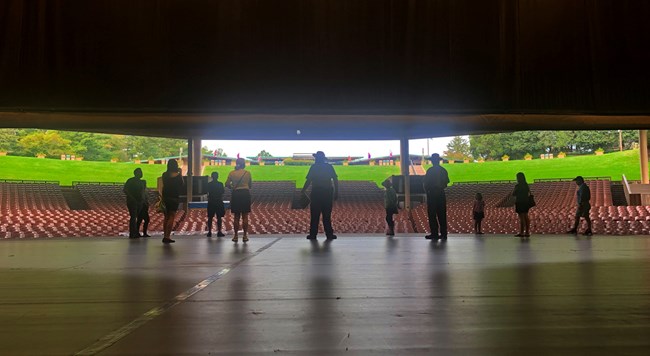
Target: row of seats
{"points": [[39, 210], [15, 195]]}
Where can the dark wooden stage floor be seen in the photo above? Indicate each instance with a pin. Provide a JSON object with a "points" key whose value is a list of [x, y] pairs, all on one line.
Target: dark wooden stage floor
{"points": [[281, 294]]}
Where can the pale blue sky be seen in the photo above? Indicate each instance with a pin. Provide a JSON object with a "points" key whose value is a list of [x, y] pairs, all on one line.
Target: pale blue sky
{"points": [[331, 148]]}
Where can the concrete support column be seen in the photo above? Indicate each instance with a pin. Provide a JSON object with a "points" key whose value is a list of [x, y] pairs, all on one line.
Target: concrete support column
{"points": [[197, 162], [643, 150], [190, 167], [405, 167]]}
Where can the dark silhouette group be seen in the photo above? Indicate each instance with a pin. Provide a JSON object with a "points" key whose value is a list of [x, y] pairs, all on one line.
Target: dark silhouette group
{"points": [[323, 181]]}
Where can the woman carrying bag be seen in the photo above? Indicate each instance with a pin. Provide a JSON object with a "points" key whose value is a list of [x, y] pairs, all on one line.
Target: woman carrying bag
{"points": [[240, 182]]}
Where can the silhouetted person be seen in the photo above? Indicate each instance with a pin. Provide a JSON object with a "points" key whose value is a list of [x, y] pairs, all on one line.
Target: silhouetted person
{"points": [[583, 195], [324, 190], [522, 205], [172, 186], [478, 212], [215, 204], [143, 217], [240, 182], [134, 193], [435, 182], [390, 204]]}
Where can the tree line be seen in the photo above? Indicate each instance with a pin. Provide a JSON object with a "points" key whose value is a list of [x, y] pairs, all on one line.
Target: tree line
{"points": [[90, 146], [518, 144]]}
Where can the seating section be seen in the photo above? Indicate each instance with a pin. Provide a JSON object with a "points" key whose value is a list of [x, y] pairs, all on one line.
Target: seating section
{"points": [[39, 209], [19, 196]]}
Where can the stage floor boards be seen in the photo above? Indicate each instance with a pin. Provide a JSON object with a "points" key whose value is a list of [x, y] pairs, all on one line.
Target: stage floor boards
{"points": [[360, 294]]}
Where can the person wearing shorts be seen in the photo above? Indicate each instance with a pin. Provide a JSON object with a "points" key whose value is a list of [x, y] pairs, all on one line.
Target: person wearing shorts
{"points": [[240, 182]]}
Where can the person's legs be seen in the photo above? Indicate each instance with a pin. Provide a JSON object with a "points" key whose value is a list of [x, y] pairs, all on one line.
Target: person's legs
{"points": [[522, 223], [526, 225], [476, 226], [219, 226], [133, 216], [245, 225], [432, 216], [588, 220], [390, 222], [145, 218], [441, 213], [314, 212], [326, 209], [168, 225], [480, 231], [236, 226], [210, 217]]}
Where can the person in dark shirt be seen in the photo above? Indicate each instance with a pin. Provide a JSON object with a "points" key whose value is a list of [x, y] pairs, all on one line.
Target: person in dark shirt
{"points": [[435, 182], [215, 204], [522, 205], [390, 204], [325, 189], [172, 185], [134, 193], [143, 217], [583, 195]]}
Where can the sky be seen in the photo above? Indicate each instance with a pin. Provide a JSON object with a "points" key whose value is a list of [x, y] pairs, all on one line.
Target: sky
{"points": [[331, 148]]}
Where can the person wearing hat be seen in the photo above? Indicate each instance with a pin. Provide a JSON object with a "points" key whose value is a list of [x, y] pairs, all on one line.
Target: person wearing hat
{"points": [[584, 195], [324, 190], [435, 182]]}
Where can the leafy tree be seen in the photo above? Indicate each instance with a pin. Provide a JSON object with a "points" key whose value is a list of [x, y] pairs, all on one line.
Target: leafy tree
{"points": [[458, 148], [489, 146], [117, 146], [49, 142], [92, 146], [8, 140], [264, 154]]}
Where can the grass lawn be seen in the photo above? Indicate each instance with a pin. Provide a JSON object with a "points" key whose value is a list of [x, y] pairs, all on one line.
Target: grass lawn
{"points": [[609, 165], [612, 165]]}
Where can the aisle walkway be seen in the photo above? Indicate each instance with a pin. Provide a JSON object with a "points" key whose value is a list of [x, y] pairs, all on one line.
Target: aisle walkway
{"points": [[356, 295]]}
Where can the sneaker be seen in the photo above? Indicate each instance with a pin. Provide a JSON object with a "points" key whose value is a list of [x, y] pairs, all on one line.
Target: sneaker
{"points": [[234, 239], [572, 232], [331, 237], [145, 235], [311, 237], [220, 234], [209, 234], [431, 237], [245, 238], [391, 233], [588, 233], [443, 237]]}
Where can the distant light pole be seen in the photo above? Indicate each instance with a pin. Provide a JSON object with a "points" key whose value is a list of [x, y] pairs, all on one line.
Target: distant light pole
{"points": [[620, 140]]}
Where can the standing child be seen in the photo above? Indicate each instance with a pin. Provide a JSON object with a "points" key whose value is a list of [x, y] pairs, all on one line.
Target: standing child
{"points": [[390, 203], [215, 204], [479, 213]]}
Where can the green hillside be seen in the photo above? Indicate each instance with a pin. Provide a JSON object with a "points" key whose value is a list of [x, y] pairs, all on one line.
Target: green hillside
{"points": [[609, 165]]}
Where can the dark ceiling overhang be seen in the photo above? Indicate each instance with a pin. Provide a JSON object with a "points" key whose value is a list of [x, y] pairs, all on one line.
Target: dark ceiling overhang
{"points": [[314, 126], [336, 69]]}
